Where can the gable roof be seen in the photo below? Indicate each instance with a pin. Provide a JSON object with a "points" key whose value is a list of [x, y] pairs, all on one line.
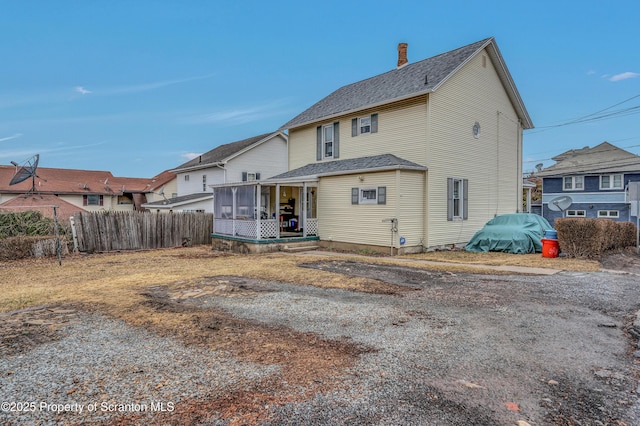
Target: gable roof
{"points": [[409, 81], [602, 158], [72, 181], [224, 153], [160, 180], [351, 165]]}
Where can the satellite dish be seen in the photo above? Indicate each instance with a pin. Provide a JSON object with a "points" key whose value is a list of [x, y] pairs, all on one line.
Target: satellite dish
{"points": [[25, 171], [561, 203]]}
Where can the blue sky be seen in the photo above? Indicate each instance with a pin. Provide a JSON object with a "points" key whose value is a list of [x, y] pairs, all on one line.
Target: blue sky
{"points": [[137, 87]]}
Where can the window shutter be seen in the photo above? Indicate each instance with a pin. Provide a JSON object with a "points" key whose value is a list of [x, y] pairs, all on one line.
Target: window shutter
{"points": [[85, 201], [257, 176], [101, 200], [382, 195], [354, 127], [319, 143], [244, 176], [465, 199], [449, 199], [336, 139], [355, 195], [374, 123]]}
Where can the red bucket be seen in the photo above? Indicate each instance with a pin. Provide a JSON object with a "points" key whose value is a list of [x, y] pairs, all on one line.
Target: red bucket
{"points": [[550, 248]]}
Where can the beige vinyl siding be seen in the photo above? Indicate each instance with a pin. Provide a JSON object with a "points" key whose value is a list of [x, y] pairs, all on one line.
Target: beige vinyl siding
{"points": [[402, 129], [411, 207], [339, 220], [491, 163]]}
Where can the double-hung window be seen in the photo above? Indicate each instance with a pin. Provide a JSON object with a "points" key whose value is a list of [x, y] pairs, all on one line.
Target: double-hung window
{"points": [[611, 182], [365, 124], [204, 183], [327, 141], [573, 183], [457, 199]]}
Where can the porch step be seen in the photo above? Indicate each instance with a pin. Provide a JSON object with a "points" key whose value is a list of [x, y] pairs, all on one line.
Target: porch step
{"points": [[296, 249]]}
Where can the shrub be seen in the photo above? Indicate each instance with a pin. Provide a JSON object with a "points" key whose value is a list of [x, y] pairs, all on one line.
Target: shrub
{"points": [[589, 238]]}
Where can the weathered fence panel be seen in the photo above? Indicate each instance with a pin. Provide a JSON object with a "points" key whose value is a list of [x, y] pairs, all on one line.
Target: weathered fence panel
{"points": [[109, 230]]}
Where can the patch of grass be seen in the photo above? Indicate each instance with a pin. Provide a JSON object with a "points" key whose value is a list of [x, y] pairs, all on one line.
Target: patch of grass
{"points": [[497, 258]]}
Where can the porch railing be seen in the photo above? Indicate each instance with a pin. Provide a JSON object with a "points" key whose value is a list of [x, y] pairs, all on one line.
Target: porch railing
{"points": [[249, 228]]}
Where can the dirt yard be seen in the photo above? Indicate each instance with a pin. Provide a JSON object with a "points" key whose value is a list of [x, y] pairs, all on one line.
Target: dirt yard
{"points": [[190, 336]]}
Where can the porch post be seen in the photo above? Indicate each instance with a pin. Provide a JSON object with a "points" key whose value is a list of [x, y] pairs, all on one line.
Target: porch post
{"points": [[258, 195], [234, 203], [304, 209], [277, 210]]}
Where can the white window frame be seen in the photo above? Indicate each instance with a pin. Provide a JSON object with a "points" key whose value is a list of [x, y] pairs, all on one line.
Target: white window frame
{"points": [[574, 183], [458, 199], [576, 213], [612, 183], [609, 214], [251, 176], [364, 125], [326, 143], [366, 196], [204, 183]]}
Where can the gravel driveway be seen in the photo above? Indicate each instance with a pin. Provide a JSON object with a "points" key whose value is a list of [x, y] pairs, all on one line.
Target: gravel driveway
{"points": [[438, 349]]}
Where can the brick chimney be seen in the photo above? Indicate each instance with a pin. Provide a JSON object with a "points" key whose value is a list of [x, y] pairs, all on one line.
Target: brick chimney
{"points": [[402, 55]]}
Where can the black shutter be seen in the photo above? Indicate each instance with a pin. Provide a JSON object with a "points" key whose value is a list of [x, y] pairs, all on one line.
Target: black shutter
{"points": [[336, 139], [449, 199], [244, 176], [257, 176], [382, 195], [355, 195], [465, 199], [354, 127], [85, 200], [374, 123]]}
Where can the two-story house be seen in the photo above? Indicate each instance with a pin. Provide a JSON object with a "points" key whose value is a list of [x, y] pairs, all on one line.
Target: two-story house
{"points": [[419, 156], [590, 183], [250, 159]]}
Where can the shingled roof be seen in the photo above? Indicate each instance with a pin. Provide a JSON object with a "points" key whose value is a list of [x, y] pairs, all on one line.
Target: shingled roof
{"points": [[224, 152], [351, 165], [602, 158], [72, 181], [409, 81]]}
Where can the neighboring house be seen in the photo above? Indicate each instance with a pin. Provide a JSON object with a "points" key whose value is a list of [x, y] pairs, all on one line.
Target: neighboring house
{"points": [[250, 159], [72, 190], [420, 156], [595, 180]]}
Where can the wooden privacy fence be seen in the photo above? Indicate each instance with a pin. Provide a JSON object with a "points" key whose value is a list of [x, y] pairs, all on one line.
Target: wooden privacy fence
{"points": [[109, 230]]}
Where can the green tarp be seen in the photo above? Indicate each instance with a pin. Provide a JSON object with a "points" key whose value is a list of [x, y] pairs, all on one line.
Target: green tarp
{"points": [[518, 233]]}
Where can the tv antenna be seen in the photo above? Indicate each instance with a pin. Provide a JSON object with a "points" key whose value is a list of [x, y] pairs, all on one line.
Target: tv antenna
{"points": [[25, 171], [560, 204]]}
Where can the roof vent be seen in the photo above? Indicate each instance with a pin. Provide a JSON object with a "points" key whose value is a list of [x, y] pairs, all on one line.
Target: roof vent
{"points": [[402, 55]]}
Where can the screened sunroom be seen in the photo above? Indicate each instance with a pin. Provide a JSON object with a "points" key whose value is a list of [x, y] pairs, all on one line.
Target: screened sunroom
{"points": [[265, 210]]}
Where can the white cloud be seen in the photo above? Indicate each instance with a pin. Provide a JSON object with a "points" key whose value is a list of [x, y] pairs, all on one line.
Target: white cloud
{"points": [[144, 87], [190, 155], [624, 76], [81, 90], [8, 138], [239, 115]]}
